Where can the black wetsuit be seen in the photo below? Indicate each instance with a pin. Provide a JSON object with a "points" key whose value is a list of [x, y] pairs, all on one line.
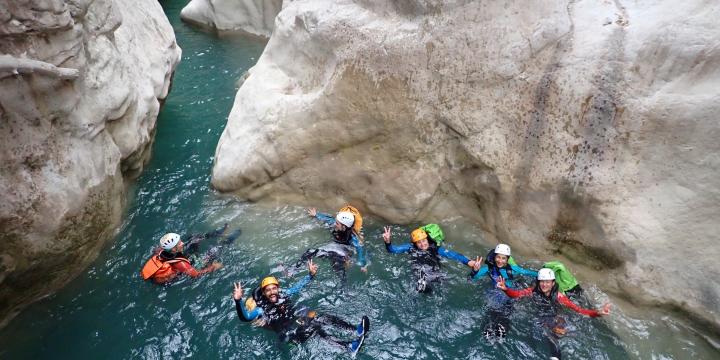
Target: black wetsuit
{"points": [[291, 325], [426, 263], [192, 242], [339, 252]]}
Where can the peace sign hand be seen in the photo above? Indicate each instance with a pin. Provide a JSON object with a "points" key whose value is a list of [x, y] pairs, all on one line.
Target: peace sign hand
{"points": [[312, 268], [237, 291], [476, 264], [386, 235], [501, 283]]}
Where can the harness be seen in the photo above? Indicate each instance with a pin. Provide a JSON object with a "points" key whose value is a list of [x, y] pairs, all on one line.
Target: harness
{"points": [[277, 315], [548, 304], [427, 257]]}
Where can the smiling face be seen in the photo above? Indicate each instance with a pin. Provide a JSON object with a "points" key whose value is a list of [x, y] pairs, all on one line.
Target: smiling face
{"points": [[501, 260], [546, 286], [271, 293], [422, 244]]}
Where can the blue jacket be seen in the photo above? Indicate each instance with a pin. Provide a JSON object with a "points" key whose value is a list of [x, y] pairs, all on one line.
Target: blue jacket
{"points": [[359, 248], [501, 272]]}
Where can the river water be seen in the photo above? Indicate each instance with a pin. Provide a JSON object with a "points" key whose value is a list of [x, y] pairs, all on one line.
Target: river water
{"points": [[108, 312]]}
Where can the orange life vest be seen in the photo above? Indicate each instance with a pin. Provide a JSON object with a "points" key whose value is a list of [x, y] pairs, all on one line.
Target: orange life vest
{"points": [[161, 271]]}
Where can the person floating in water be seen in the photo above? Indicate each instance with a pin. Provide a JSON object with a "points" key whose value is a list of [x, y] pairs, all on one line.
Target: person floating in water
{"points": [[546, 295], [499, 265], [425, 253], [271, 308], [171, 259], [347, 239]]}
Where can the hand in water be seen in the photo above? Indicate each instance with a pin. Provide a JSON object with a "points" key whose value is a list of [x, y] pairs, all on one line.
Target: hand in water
{"points": [[312, 268], [364, 269], [215, 266], [386, 235], [311, 211], [237, 293], [501, 283], [476, 264], [605, 309]]}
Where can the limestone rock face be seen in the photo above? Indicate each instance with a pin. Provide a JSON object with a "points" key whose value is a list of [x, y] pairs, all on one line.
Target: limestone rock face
{"points": [[586, 129], [256, 17], [81, 83]]}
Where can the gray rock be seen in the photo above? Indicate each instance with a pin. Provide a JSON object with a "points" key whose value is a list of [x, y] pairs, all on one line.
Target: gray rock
{"points": [[555, 131], [256, 17], [81, 84]]}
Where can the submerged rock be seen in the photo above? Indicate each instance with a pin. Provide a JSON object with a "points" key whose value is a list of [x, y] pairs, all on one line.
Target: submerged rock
{"points": [[556, 129], [81, 84], [256, 17]]}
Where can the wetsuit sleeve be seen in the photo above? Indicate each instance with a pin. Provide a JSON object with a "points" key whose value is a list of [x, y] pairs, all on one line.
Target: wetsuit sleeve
{"points": [[299, 285], [246, 315], [185, 268], [513, 293], [327, 219], [360, 250], [575, 307], [398, 249], [482, 272], [517, 269], [453, 255]]}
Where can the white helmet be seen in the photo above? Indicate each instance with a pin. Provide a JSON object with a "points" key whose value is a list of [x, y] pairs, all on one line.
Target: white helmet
{"points": [[346, 218], [502, 249], [169, 240], [546, 274]]}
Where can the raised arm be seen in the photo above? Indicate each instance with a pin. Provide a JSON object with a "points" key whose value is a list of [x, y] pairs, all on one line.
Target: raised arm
{"points": [[392, 248], [327, 219], [480, 273], [312, 268], [243, 313]]}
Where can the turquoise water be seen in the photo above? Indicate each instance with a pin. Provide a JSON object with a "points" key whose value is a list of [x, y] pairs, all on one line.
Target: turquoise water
{"points": [[110, 313]]}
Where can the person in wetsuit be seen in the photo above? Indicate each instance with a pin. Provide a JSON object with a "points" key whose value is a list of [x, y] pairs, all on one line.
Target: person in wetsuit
{"points": [[426, 257], [546, 295], [497, 266], [271, 308], [170, 260], [346, 241]]}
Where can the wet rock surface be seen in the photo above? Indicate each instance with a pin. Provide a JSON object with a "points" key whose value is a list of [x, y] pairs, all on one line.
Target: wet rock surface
{"points": [[81, 84], [255, 17], [584, 130]]}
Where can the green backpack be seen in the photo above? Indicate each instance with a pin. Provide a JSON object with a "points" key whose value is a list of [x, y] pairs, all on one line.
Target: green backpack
{"points": [[563, 277], [435, 233]]}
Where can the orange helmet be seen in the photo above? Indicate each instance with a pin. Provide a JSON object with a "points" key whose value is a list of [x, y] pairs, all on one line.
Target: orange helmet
{"points": [[418, 234], [270, 280]]}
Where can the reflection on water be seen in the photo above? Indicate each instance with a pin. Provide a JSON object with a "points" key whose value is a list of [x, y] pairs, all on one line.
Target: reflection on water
{"points": [[110, 313]]}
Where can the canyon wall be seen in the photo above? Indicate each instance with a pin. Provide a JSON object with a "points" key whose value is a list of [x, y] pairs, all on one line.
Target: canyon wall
{"points": [[81, 85], [581, 129]]}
